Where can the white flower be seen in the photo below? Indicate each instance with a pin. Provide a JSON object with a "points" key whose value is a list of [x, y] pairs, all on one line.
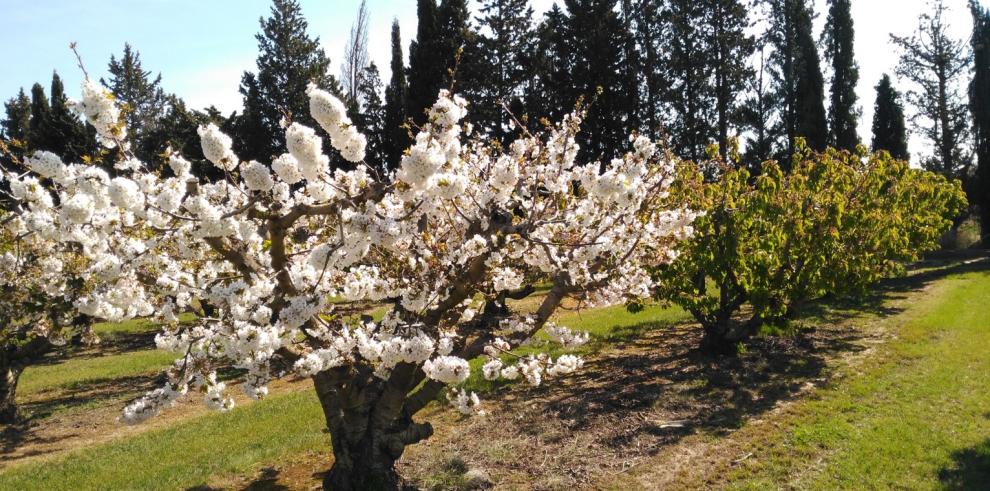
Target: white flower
{"points": [[217, 147], [256, 176], [447, 369]]}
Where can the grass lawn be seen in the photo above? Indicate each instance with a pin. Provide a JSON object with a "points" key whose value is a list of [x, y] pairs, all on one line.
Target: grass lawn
{"points": [[75, 372], [915, 416], [187, 453]]}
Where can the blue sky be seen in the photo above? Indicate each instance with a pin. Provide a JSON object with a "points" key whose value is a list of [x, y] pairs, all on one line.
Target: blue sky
{"points": [[201, 47]]}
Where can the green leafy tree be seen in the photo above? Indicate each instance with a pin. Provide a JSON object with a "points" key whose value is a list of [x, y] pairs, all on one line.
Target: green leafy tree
{"points": [[889, 130], [838, 40], [288, 60], [835, 224]]}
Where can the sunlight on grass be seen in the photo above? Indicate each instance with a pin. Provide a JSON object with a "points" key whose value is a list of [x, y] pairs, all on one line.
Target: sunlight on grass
{"points": [[78, 371], [915, 417], [187, 453]]}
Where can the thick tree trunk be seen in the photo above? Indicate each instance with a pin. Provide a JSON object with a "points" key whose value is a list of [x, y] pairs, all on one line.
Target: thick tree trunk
{"points": [[370, 424], [9, 375]]}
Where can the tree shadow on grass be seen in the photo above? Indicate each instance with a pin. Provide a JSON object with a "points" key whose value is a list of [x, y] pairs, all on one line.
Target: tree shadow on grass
{"points": [[970, 469]]}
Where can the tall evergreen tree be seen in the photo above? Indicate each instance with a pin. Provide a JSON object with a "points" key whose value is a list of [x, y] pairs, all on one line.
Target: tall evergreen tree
{"points": [[506, 36], [757, 114], [649, 36], [728, 48], [426, 63], [143, 100], [705, 71], [70, 137], [288, 60], [889, 131], [935, 64], [549, 93], [18, 117], [689, 94], [371, 119], [597, 39], [396, 137], [797, 77], [838, 39], [979, 105], [40, 135]]}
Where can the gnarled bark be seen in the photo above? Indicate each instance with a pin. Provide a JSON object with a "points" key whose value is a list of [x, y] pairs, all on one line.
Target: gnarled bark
{"points": [[9, 375], [370, 423]]}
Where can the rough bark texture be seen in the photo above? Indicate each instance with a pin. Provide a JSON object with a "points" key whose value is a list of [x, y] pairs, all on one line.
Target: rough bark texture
{"points": [[9, 375], [370, 424]]}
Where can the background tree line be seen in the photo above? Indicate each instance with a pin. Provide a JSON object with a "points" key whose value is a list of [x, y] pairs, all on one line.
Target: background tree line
{"points": [[695, 73]]}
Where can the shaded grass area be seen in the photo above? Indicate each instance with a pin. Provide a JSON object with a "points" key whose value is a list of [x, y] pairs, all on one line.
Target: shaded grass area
{"points": [[915, 417], [187, 453]]}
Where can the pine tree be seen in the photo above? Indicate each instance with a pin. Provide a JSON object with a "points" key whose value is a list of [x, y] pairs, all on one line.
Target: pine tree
{"points": [[728, 48], [935, 65], [142, 98], [689, 93], [889, 132], [549, 93], [838, 40], [288, 60], [508, 36], [396, 138], [648, 33], [979, 104], [18, 117], [756, 114], [426, 65], [796, 70], [597, 37]]}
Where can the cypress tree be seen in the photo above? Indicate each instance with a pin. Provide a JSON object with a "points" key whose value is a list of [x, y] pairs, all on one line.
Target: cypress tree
{"points": [[371, 119], [838, 40], [39, 135], [797, 78], [396, 138], [426, 65], [979, 105], [648, 32], [935, 64], [756, 114], [69, 136], [288, 60], [728, 48], [889, 132], [689, 93]]}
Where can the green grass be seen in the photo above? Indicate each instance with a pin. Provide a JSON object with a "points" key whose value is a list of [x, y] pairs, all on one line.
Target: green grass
{"points": [[185, 454], [914, 416], [76, 372]]}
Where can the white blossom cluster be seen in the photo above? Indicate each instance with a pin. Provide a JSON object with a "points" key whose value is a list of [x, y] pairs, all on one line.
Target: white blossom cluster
{"points": [[279, 260]]}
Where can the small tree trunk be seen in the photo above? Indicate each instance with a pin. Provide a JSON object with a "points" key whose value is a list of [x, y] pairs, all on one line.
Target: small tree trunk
{"points": [[9, 375]]}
